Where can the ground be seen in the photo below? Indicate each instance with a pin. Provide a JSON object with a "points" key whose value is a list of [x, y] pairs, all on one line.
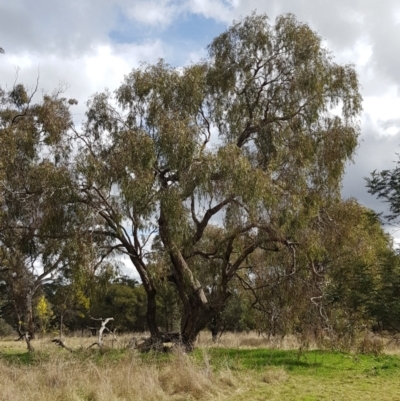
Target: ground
{"points": [[238, 368]]}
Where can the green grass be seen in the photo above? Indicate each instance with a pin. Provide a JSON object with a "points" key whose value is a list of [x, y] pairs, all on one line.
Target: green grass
{"points": [[310, 375], [24, 358], [317, 363]]}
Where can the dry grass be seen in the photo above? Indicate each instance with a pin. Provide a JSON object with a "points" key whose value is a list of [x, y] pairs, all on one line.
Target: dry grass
{"points": [[364, 343], [60, 375], [274, 376], [248, 340], [227, 340], [55, 374], [367, 342]]}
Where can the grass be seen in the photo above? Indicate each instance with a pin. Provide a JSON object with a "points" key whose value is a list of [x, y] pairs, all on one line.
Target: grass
{"points": [[321, 363], [210, 373]]}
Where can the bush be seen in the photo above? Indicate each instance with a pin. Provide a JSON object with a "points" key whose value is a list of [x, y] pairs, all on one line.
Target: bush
{"points": [[5, 329]]}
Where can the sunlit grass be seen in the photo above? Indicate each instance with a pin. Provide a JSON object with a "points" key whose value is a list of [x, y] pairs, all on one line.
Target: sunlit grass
{"points": [[320, 363]]}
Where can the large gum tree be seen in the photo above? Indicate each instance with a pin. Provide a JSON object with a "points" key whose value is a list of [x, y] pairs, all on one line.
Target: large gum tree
{"points": [[218, 159]]}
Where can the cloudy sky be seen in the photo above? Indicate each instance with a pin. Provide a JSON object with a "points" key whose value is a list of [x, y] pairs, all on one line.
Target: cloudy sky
{"points": [[89, 45]]}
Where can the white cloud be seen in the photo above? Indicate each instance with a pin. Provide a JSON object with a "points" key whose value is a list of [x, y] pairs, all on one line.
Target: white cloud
{"points": [[382, 108], [104, 66], [362, 53], [216, 9], [110, 63], [196, 56], [165, 12], [156, 12]]}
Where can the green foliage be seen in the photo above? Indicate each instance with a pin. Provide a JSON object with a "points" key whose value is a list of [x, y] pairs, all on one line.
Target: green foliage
{"points": [[168, 307], [19, 96], [125, 304], [386, 186], [334, 286], [40, 222], [383, 304], [237, 315]]}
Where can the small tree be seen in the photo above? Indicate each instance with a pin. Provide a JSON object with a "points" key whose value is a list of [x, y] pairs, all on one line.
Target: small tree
{"points": [[44, 314]]}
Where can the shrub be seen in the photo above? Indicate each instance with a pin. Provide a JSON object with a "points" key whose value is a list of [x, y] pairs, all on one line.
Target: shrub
{"points": [[5, 329]]}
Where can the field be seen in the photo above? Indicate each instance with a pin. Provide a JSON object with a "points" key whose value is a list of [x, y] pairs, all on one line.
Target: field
{"points": [[238, 368]]}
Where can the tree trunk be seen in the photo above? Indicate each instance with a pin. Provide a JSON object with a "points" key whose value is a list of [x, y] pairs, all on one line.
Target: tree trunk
{"points": [[30, 327], [197, 310], [194, 319], [151, 315], [28, 342], [61, 325], [214, 326], [197, 314], [151, 293]]}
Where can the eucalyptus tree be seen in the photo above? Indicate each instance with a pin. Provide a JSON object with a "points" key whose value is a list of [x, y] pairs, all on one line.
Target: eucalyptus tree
{"points": [[362, 270], [253, 139], [338, 276], [39, 231]]}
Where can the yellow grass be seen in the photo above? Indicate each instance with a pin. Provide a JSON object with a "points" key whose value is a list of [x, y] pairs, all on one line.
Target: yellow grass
{"points": [[391, 345], [63, 376], [248, 340]]}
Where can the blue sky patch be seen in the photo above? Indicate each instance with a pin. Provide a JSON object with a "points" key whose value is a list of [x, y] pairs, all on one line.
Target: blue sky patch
{"points": [[190, 32]]}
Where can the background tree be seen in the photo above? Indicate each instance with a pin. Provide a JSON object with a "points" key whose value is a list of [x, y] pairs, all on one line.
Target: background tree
{"points": [[125, 303], [39, 221], [245, 138], [384, 303], [337, 286], [70, 300], [386, 186]]}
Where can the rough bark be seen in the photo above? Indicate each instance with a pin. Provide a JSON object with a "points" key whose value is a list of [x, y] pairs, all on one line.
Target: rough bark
{"points": [[194, 319], [151, 293], [197, 311]]}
